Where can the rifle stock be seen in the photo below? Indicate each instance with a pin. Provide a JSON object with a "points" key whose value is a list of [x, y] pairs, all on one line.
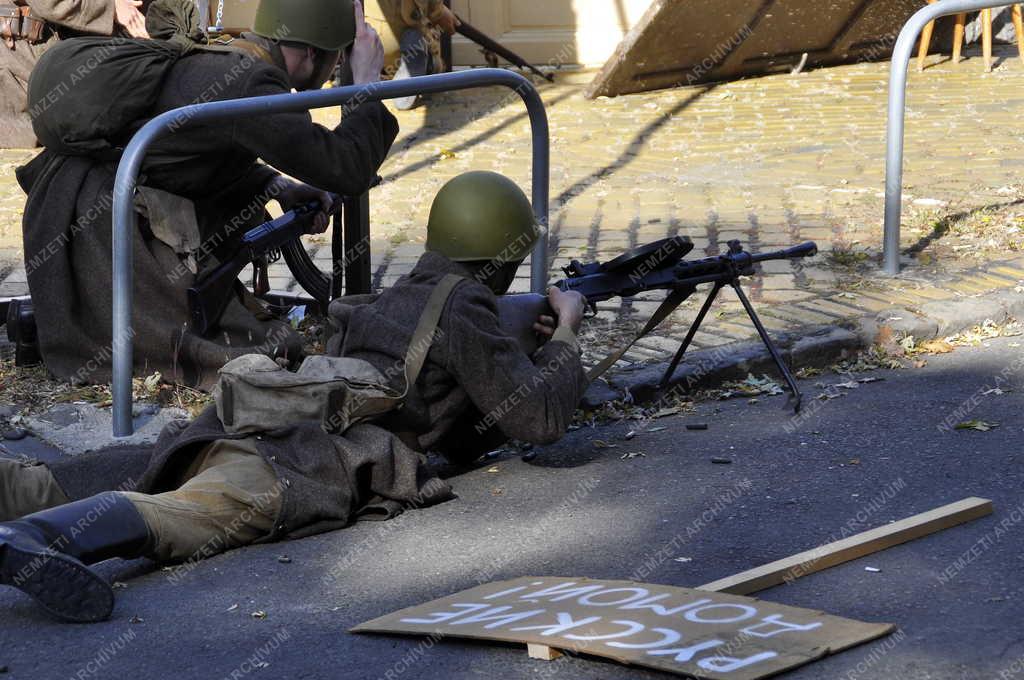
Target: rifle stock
{"points": [[516, 315]]}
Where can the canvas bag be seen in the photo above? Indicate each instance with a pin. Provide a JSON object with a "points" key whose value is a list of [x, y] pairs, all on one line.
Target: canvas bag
{"points": [[255, 394]]}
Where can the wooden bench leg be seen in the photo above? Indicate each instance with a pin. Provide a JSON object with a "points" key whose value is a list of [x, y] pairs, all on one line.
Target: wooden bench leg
{"points": [[926, 41], [1018, 26], [958, 36], [986, 38]]}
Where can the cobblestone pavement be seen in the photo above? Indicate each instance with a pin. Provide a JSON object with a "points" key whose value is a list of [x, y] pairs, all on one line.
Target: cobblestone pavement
{"points": [[771, 161]]}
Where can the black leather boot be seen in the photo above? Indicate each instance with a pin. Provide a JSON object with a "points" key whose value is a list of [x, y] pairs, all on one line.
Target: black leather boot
{"points": [[45, 554]]}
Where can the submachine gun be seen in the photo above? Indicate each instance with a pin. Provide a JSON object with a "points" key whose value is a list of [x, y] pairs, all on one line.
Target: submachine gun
{"points": [[210, 295], [657, 265]]}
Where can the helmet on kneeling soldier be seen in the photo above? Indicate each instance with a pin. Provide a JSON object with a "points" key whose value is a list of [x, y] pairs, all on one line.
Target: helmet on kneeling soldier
{"points": [[329, 25], [314, 32]]}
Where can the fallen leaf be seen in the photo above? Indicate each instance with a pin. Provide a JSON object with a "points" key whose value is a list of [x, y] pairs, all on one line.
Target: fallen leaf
{"points": [[259, 614], [493, 469], [152, 382], [602, 444], [632, 454], [232, 608], [936, 347]]}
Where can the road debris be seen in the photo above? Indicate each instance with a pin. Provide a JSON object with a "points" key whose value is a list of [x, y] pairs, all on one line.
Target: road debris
{"points": [[979, 425], [721, 461], [696, 426], [751, 387]]}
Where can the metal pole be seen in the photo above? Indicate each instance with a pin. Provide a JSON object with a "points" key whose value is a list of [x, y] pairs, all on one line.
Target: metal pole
{"points": [[901, 55], [131, 162]]}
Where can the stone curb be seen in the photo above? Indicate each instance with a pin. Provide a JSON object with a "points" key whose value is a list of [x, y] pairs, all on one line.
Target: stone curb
{"points": [[816, 346]]}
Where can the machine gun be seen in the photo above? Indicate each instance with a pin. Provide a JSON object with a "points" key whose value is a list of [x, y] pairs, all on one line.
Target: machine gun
{"points": [[657, 265], [208, 298], [493, 46]]}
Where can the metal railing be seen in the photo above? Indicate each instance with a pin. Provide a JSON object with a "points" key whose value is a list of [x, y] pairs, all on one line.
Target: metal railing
{"points": [[124, 218], [901, 56]]}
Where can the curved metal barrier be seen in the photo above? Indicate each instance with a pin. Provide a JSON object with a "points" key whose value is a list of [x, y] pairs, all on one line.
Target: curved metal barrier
{"points": [[901, 56], [124, 218]]}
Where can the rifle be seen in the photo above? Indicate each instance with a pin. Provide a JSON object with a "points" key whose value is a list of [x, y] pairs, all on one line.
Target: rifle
{"points": [[491, 45], [208, 298], [657, 265]]}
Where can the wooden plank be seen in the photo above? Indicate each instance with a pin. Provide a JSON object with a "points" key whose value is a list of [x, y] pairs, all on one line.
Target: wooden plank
{"points": [[702, 41], [542, 652], [858, 545]]}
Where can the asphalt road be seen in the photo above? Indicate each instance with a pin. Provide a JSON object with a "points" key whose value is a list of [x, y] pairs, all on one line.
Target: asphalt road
{"points": [[580, 510]]}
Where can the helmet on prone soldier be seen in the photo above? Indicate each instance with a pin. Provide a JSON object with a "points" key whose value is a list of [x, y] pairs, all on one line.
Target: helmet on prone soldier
{"points": [[483, 219], [329, 25]]}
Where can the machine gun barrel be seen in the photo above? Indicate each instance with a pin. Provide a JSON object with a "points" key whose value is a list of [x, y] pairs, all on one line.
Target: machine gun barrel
{"points": [[737, 262]]}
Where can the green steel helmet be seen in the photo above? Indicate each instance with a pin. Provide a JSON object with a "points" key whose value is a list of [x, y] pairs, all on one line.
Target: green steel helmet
{"points": [[482, 215], [326, 24]]}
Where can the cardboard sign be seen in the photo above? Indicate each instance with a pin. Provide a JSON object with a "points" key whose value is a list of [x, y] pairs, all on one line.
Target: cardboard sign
{"points": [[682, 630]]}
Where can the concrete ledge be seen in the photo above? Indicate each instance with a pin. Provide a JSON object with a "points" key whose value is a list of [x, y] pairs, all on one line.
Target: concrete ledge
{"points": [[816, 346]]}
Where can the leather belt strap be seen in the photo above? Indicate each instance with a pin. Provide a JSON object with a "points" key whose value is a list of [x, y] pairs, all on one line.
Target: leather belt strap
{"points": [[17, 23]]}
